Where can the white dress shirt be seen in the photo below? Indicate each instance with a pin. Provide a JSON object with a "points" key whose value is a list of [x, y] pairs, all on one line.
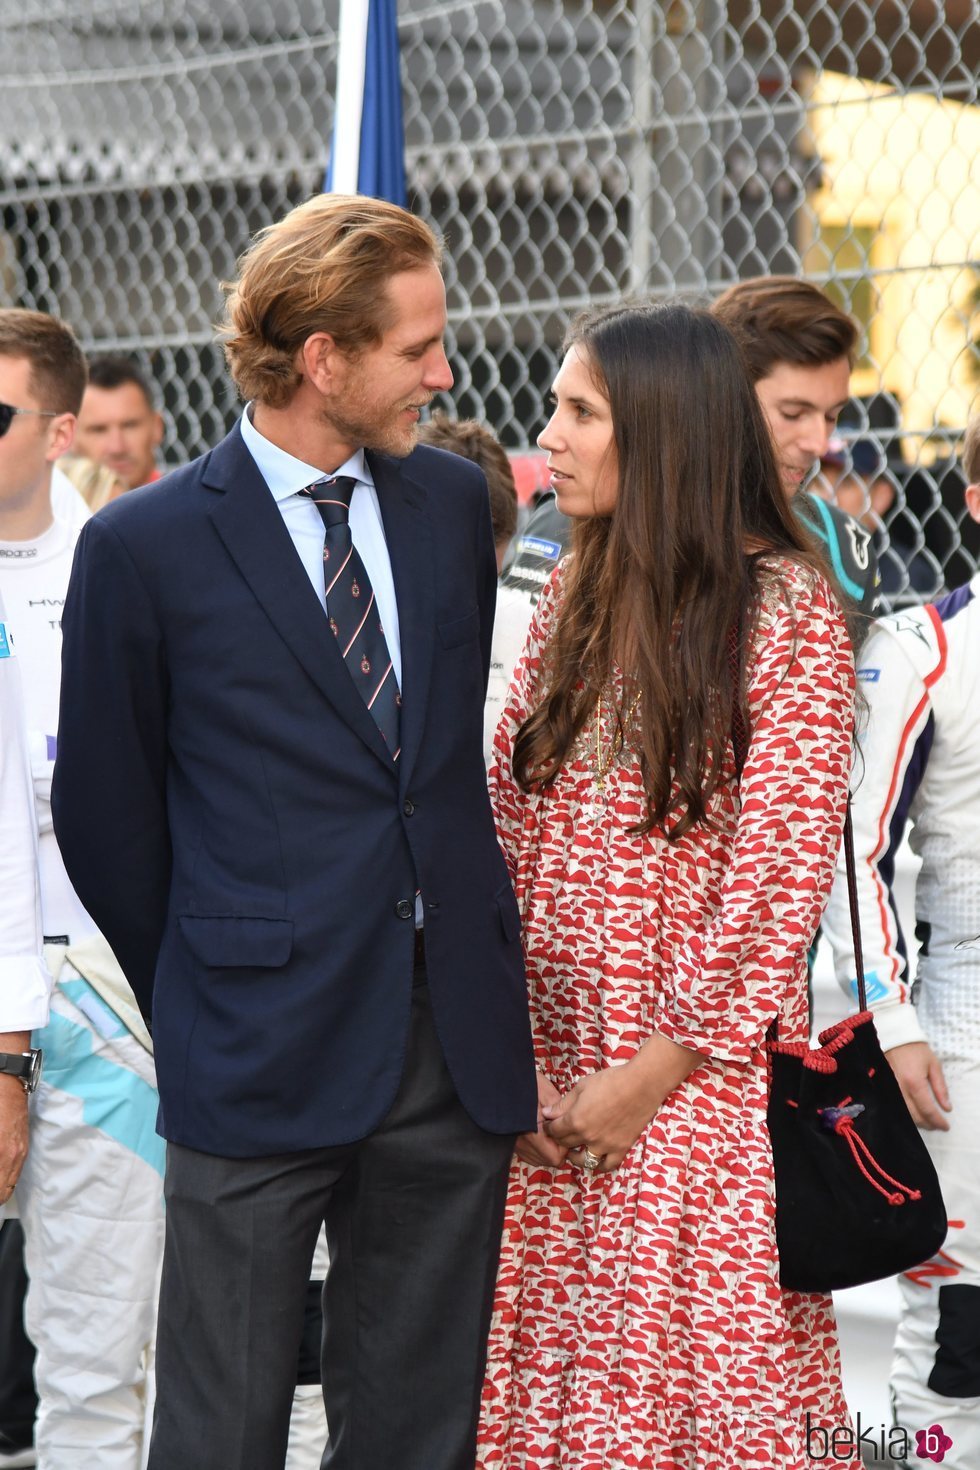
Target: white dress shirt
{"points": [[286, 476]]}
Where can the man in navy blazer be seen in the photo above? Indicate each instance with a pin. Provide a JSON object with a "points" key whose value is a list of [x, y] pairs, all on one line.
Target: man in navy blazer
{"points": [[304, 888]]}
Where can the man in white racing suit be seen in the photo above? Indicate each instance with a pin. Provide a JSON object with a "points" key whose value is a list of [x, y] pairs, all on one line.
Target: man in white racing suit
{"points": [[24, 989], [918, 766], [90, 1194]]}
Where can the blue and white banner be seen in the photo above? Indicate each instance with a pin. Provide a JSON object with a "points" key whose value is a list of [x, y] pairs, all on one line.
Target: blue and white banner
{"points": [[368, 152]]}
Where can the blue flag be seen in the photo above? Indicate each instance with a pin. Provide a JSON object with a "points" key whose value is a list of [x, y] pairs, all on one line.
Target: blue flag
{"points": [[368, 152]]}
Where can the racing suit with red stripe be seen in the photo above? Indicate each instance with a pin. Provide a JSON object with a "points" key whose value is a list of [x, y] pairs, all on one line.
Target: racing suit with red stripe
{"points": [[918, 768]]}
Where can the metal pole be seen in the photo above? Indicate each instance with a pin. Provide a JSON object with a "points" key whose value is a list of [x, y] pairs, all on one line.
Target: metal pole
{"points": [[642, 172]]}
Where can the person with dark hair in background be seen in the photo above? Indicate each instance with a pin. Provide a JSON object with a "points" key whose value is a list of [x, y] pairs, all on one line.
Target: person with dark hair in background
{"points": [[919, 772], [270, 787], [475, 442], [799, 348], [667, 911], [857, 478], [118, 425]]}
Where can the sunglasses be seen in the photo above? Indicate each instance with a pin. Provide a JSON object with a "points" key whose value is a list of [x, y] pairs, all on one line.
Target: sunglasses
{"points": [[7, 412]]}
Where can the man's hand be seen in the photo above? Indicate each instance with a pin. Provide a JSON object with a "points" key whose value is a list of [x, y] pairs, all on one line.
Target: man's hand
{"points": [[920, 1076], [537, 1148], [13, 1134]]}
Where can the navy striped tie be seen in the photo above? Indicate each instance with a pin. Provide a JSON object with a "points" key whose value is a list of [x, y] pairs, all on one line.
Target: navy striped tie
{"points": [[353, 611]]}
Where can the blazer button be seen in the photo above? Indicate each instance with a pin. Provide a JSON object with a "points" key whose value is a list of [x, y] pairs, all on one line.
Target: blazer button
{"points": [[409, 808], [404, 908]]}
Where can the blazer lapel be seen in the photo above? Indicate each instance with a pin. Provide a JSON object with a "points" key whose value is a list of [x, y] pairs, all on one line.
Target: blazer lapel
{"points": [[404, 510], [249, 523]]}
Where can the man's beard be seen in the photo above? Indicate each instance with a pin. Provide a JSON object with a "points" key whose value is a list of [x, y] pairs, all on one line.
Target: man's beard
{"points": [[378, 431]]}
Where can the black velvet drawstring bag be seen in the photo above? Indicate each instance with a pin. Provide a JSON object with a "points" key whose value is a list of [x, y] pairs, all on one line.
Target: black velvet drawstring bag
{"points": [[857, 1195]]}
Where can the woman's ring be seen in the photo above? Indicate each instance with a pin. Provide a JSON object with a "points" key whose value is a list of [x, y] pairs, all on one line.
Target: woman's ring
{"points": [[590, 1160]]}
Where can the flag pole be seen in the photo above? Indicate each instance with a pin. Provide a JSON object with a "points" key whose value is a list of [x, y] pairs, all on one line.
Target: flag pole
{"points": [[342, 170], [368, 152]]}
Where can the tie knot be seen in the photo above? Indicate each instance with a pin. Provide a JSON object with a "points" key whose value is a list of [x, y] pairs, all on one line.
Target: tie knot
{"points": [[332, 499]]}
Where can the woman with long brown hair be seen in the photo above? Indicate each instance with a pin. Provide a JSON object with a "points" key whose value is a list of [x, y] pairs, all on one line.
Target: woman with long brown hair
{"points": [[667, 909]]}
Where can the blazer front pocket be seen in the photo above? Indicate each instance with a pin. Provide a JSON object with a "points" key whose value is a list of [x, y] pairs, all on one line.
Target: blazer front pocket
{"points": [[460, 630], [227, 941]]}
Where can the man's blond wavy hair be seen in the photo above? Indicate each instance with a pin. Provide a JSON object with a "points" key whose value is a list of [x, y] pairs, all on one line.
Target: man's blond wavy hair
{"points": [[324, 267]]}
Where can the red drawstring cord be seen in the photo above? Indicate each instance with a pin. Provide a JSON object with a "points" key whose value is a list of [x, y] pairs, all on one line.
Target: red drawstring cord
{"points": [[844, 1128]]}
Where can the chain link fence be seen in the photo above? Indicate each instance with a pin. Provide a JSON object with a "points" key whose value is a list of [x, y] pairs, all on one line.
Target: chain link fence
{"points": [[570, 153]]}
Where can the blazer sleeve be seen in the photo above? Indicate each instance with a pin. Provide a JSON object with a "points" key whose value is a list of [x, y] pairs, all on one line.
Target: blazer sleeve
{"points": [[109, 789]]}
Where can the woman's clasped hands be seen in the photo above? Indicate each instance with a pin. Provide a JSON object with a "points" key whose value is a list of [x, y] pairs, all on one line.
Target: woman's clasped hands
{"points": [[596, 1123]]}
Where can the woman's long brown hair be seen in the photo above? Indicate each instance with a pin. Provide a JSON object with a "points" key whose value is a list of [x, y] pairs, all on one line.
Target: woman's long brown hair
{"points": [[656, 588]]}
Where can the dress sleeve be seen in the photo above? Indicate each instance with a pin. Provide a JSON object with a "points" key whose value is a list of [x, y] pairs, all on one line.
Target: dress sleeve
{"points": [[895, 741], [732, 977], [506, 796]]}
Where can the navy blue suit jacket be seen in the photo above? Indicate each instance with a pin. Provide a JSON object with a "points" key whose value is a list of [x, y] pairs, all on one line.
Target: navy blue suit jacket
{"points": [[231, 817]]}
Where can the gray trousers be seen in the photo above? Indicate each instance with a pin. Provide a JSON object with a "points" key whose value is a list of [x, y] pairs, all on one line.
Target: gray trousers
{"points": [[413, 1218]]}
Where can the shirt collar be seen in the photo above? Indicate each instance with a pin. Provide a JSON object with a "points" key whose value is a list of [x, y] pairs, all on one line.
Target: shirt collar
{"points": [[286, 475]]}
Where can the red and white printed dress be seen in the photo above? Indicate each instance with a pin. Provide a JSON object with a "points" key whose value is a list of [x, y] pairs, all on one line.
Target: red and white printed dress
{"points": [[638, 1322]]}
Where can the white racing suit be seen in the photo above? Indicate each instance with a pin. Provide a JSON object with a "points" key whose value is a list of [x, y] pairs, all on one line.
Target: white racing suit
{"points": [[919, 766], [90, 1195], [91, 1199], [308, 1421]]}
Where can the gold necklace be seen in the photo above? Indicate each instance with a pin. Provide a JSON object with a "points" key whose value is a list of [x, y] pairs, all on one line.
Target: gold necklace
{"points": [[603, 766]]}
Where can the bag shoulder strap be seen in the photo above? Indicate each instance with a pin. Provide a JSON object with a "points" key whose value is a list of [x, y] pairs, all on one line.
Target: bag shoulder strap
{"points": [[740, 745]]}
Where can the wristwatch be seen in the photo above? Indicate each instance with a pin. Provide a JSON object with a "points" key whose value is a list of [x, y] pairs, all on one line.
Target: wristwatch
{"points": [[26, 1065]]}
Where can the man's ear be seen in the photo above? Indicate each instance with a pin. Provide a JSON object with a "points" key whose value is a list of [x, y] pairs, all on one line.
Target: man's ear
{"points": [[972, 497], [157, 430], [319, 361], [61, 434]]}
